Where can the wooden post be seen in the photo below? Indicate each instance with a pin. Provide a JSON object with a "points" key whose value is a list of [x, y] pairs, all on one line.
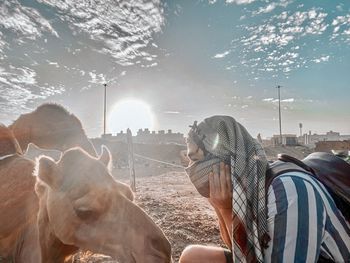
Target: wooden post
{"points": [[131, 160], [104, 109]]}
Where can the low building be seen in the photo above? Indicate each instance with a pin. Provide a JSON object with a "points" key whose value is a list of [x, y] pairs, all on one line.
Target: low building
{"points": [[328, 146], [287, 139], [310, 140], [148, 137]]}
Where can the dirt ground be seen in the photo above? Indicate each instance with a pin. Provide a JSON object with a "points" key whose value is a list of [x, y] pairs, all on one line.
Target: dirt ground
{"points": [[185, 217], [174, 204]]}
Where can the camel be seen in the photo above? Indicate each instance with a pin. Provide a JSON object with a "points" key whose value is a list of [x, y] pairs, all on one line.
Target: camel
{"points": [[51, 126], [51, 209]]}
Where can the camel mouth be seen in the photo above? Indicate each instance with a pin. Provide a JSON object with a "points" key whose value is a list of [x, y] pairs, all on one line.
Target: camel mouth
{"points": [[125, 254]]}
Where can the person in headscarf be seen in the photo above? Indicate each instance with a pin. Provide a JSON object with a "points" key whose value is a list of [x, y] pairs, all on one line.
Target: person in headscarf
{"points": [[294, 220]]}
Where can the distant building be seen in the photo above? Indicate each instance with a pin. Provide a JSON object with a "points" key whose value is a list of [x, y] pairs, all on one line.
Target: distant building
{"points": [[311, 139], [287, 139], [328, 146], [148, 137], [106, 136]]}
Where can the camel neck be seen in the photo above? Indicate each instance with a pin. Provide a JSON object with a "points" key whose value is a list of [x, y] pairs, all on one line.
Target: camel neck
{"points": [[7, 156]]}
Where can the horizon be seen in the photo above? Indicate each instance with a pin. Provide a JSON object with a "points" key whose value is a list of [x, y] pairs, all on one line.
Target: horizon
{"points": [[114, 134], [179, 61]]}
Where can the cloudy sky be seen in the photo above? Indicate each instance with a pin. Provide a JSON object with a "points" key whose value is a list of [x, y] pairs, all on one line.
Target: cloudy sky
{"points": [[186, 59]]}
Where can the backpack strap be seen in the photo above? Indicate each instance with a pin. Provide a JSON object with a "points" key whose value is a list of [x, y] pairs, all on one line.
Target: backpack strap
{"points": [[287, 158], [285, 164]]}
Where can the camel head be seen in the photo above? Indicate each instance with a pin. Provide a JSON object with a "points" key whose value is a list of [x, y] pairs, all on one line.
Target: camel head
{"points": [[51, 126], [86, 208]]}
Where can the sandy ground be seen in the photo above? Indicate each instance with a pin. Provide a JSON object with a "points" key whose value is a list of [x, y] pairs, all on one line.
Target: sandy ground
{"points": [[174, 204], [185, 217]]}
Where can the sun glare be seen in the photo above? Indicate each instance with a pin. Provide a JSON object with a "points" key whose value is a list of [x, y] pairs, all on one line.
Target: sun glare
{"points": [[130, 113]]}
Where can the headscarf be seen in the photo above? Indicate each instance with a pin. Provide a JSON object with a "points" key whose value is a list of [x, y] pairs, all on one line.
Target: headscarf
{"points": [[223, 138]]}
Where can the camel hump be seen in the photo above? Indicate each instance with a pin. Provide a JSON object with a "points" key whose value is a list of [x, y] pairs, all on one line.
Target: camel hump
{"points": [[8, 142], [52, 106], [57, 112], [54, 118]]}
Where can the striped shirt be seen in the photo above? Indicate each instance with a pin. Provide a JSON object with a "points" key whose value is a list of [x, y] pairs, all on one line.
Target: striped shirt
{"points": [[304, 222]]}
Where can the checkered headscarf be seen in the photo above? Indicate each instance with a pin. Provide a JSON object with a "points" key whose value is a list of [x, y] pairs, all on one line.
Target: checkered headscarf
{"points": [[223, 137]]}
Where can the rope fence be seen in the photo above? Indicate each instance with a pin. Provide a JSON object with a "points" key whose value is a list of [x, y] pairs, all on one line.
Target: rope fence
{"points": [[158, 161]]}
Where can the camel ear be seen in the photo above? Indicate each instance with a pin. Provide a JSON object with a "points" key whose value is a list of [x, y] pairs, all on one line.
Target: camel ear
{"points": [[32, 145], [106, 157], [46, 170]]}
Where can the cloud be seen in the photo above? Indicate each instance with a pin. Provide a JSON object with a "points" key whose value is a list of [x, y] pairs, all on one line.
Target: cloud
{"points": [[272, 6], [97, 78], [19, 86], [321, 59], [240, 2], [288, 100], [221, 55], [82, 32], [124, 27], [25, 22], [171, 112], [272, 45], [120, 29]]}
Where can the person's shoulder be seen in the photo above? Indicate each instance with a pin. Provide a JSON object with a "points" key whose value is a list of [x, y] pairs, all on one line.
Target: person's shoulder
{"points": [[295, 178], [295, 183]]}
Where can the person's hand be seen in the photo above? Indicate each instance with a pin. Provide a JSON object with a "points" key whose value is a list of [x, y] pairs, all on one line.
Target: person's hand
{"points": [[185, 161], [220, 187]]}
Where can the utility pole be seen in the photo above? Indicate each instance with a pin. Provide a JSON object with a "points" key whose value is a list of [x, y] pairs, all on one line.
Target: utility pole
{"points": [[279, 111], [104, 109], [300, 128], [131, 160]]}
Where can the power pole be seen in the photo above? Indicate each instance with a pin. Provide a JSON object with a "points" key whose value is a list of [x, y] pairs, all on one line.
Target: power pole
{"points": [[104, 109], [131, 160], [279, 111]]}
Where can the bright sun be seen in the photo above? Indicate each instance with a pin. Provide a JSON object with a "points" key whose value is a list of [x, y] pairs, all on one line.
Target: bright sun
{"points": [[130, 113]]}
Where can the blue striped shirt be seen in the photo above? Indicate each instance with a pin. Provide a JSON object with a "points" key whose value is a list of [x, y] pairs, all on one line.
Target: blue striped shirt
{"points": [[304, 222]]}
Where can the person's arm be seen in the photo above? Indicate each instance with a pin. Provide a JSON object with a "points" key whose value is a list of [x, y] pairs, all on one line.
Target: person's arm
{"points": [[221, 199], [225, 231], [295, 221]]}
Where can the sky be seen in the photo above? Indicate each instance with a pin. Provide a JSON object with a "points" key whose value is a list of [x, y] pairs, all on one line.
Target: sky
{"points": [[186, 60]]}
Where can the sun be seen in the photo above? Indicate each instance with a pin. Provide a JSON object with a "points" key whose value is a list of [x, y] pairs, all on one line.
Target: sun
{"points": [[130, 113]]}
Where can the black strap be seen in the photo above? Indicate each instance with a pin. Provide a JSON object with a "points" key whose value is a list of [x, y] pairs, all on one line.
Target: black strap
{"points": [[280, 167], [290, 159]]}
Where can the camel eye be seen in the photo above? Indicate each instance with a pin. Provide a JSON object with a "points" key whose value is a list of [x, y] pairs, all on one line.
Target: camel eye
{"points": [[86, 214]]}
